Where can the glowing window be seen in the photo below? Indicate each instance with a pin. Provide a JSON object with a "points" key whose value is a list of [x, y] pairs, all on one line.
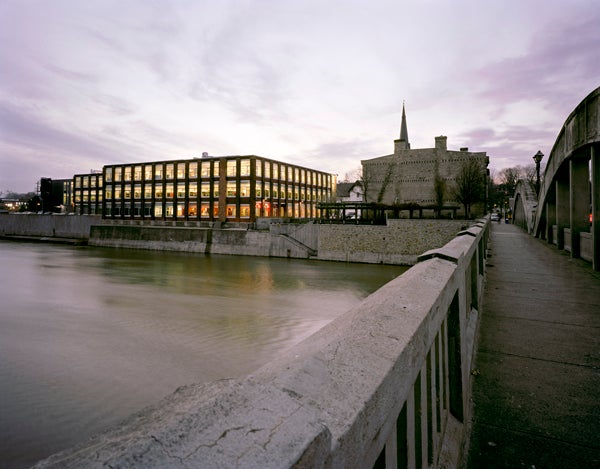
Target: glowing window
{"points": [[245, 189], [231, 189], [245, 167], [231, 168], [193, 170]]}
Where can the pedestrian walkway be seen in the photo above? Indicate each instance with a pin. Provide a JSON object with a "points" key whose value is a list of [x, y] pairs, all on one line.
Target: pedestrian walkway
{"points": [[536, 379]]}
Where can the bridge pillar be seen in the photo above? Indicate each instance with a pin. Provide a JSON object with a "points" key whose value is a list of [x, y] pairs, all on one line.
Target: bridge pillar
{"points": [[550, 219], [579, 199], [595, 229], [563, 212]]}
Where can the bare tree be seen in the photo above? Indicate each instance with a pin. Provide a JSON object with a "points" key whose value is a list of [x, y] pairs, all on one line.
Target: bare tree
{"points": [[387, 178], [439, 189], [352, 175], [470, 184], [510, 176]]}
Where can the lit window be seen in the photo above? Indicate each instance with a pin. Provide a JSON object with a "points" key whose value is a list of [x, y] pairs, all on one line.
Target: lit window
{"points": [[92, 181], [180, 210], [245, 167], [275, 171], [216, 169], [180, 170], [267, 169], [158, 172], [127, 191], [169, 191], [108, 175], [193, 170], [275, 191], [216, 210], [245, 189], [137, 173], [231, 168], [181, 189], [205, 189], [231, 189], [84, 181], [169, 209], [158, 191], [205, 169], [231, 211], [78, 182], [205, 211], [117, 192], [148, 172], [127, 174], [170, 171], [137, 191], [244, 211], [258, 168], [147, 191], [258, 191], [108, 192], [158, 211], [117, 174], [193, 189], [192, 209]]}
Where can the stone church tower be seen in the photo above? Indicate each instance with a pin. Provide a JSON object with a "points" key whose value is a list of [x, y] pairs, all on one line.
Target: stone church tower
{"points": [[409, 175]]}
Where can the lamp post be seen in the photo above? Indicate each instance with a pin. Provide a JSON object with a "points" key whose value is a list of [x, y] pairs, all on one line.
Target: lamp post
{"points": [[538, 159]]}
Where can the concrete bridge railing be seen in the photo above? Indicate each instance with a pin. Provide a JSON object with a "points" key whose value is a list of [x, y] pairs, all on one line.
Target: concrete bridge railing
{"points": [[386, 383]]}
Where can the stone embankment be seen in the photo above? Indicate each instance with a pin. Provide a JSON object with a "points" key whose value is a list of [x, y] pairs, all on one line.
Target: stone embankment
{"points": [[398, 242]]}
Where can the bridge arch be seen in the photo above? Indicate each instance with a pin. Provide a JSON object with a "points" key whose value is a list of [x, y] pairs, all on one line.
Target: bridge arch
{"points": [[524, 205], [570, 192]]}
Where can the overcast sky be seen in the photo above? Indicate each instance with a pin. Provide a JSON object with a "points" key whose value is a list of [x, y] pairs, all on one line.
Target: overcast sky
{"points": [[314, 83]]}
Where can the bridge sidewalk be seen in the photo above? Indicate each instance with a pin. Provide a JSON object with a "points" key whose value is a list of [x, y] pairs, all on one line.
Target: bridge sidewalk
{"points": [[536, 382]]}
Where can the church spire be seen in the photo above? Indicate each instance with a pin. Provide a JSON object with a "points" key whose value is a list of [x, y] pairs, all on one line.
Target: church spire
{"points": [[402, 143], [404, 129]]}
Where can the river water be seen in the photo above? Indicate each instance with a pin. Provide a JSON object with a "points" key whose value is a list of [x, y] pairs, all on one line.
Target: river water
{"points": [[90, 335]]}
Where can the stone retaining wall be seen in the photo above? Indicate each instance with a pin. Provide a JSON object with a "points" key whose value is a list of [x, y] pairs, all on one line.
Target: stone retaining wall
{"points": [[400, 242], [60, 226]]}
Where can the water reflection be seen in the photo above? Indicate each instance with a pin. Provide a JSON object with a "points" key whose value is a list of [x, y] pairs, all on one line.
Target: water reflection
{"points": [[88, 336]]}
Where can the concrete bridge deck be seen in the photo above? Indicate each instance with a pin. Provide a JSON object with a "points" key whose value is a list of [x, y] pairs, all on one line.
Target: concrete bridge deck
{"points": [[536, 389]]}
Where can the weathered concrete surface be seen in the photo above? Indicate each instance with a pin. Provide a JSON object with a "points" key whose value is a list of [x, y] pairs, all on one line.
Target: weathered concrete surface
{"points": [[400, 242], [537, 376], [60, 226]]}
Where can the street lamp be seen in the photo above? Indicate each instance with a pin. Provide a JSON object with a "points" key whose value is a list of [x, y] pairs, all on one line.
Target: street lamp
{"points": [[538, 159]]}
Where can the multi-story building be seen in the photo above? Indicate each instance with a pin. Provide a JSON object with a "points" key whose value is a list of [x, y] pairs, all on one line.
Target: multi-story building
{"points": [[88, 190], [226, 188], [408, 176]]}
